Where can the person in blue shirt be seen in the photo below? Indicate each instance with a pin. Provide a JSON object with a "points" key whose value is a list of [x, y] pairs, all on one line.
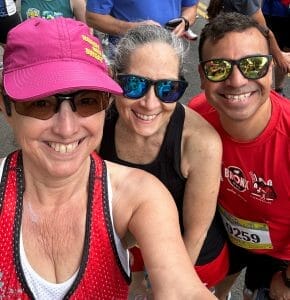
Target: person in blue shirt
{"points": [[117, 17]]}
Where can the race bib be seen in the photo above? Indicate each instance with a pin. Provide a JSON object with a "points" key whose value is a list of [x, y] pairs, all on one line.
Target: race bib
{"points": [[246, 234]]}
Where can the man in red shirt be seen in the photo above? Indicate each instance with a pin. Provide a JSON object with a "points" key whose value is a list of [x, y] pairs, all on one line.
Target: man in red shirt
{"points": [[253, 122]]}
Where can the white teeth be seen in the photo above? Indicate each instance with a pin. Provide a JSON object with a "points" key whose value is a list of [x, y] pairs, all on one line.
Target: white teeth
{"points": [[63, 148], [145, 117], [241, 97]]}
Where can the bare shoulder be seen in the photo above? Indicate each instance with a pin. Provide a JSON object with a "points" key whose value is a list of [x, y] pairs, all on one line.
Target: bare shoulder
{"points": [[136, 193], [133, 182], [201, 146], [197, 129]]}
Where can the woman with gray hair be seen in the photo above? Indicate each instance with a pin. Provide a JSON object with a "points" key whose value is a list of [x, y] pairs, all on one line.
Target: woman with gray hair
{"points": [[148, 128]]}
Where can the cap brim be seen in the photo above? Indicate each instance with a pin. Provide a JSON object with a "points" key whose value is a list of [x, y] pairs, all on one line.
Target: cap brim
{"points": [[34, 82]]}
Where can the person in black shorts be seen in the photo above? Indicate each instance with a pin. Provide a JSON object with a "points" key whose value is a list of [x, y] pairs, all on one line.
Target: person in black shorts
{"points": [[148, 128], [277, 16]]}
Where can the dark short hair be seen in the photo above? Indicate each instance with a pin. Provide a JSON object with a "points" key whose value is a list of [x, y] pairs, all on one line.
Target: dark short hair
{"points": [[224, 23]]}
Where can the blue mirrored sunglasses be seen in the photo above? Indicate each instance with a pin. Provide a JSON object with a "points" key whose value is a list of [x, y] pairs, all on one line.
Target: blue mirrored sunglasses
{"points": [[166, 90]]}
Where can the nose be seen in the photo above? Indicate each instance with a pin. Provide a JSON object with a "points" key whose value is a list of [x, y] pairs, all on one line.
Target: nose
{"points": [[66, 122], [236, 78], [150, 100]]}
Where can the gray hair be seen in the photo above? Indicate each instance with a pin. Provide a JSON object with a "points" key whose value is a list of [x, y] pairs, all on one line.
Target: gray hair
{"points": [[142, 35]]}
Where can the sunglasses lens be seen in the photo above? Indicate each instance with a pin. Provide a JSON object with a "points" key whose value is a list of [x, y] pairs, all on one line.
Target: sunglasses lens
{"points": [[90, 103], [42, 109], [217, 69], [134, 87], [254, 67], [86, 103], [170, 90]]}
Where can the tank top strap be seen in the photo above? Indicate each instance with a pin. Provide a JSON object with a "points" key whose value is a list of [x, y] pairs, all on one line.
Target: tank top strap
{"points": [[173, 137], [107, 144]]}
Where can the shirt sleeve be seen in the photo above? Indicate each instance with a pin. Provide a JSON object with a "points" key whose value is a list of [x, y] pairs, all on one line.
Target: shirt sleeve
{"points": [[103, 7], [252, 6], [186, 3]]}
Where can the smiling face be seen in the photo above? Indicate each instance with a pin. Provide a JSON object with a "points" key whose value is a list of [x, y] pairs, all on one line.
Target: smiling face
{"points": [[237, 98], [148, 115], [60, 146]]}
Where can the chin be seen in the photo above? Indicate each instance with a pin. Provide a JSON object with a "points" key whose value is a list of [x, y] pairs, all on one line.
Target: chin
{"points": [[64, 169], [61, 172]]}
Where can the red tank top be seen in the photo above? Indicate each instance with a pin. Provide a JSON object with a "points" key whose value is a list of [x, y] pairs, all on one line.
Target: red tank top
{"points": [[100, 276]]}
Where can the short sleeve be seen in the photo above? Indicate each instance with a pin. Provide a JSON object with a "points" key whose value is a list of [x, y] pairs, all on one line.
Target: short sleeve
{"points": [[103, 7], [187, 3], [253, 6]]}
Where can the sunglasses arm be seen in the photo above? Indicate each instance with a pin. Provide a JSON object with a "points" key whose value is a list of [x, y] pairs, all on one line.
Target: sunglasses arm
{"points": [[7, 104]]}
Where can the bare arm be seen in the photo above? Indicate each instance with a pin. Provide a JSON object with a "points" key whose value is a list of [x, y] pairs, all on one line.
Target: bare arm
{"points": [[111, 25], [278, 56], [79, 9], [201, 161], [278, 289], [145, 207]]}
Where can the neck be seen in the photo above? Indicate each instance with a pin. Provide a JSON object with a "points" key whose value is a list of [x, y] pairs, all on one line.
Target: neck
{"points": [[54, 192], [251, 128]]}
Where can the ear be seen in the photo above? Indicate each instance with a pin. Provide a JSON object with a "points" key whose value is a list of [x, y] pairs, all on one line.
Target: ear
{"points": [[201, 76]]}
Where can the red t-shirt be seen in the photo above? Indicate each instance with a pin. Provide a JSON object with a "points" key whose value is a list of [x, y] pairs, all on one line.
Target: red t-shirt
{"points": [[254, 195]]}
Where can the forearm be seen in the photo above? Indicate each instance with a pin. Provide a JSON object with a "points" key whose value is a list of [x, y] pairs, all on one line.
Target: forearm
{"points": [[79, 10], [286, 276], [178, 285], [274, 47], [108, 24], [194, 246], [280, 285], [189, 13], [275, 50]]}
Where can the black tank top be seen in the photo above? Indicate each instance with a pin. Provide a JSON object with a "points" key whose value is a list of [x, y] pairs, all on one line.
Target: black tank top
{"points": [[166, 167]]}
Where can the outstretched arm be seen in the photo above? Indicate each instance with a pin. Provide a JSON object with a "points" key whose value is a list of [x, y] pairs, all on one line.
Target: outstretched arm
{"points": [[145, 207]]}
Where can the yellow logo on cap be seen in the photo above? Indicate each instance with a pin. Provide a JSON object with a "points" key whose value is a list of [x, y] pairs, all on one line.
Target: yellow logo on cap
{"points": [[95, 51]]}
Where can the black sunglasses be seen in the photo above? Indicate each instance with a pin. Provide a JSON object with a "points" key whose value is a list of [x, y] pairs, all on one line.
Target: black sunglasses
{"points": [[166, 90], [85, 103], [251, 67]]}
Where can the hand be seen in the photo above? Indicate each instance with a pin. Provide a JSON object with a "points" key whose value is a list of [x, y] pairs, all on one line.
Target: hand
{"points": [[148, 22], [284, 62], [179, 29], [286, 56], [278, 290]]}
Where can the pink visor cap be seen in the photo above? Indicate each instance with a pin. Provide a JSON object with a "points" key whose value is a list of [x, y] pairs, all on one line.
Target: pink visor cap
{"points": [[45, 57]]}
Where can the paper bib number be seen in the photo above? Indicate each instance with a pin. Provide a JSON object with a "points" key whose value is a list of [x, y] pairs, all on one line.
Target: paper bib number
{"points": [[246, 234]]}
